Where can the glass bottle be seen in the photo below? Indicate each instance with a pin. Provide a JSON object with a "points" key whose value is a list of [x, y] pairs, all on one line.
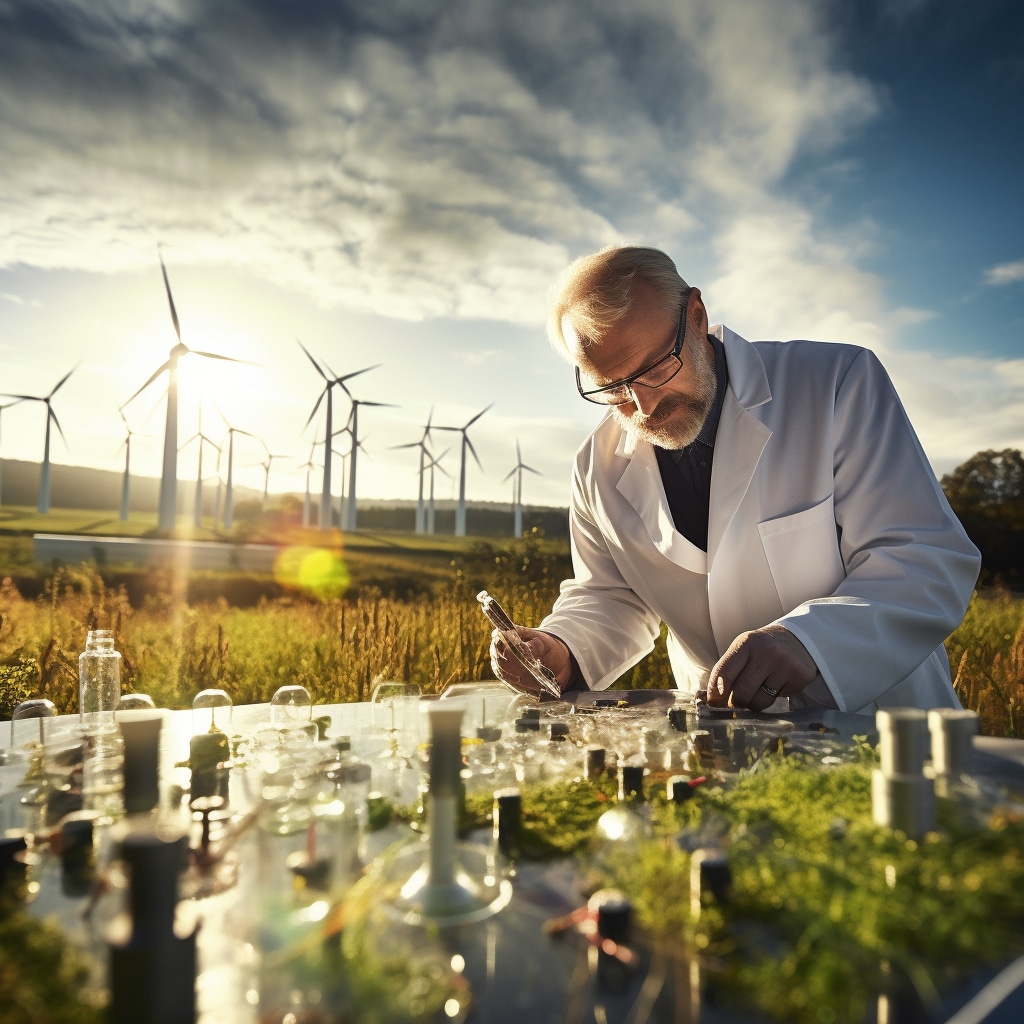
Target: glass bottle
{"points": [[99, 682]]}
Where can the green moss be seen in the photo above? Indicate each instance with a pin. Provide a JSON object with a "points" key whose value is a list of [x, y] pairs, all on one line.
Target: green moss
{"points": [[41, 976]]}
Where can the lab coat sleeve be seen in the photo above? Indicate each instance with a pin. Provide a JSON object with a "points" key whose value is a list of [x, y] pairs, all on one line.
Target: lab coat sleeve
{"points": [[910, 567], [602, 620]]}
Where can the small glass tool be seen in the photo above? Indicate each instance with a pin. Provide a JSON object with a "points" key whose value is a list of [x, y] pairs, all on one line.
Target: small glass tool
{"points": [[514, 642]]}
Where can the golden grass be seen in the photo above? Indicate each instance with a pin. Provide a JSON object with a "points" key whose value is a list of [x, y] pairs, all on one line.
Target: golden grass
{"points": [[338, 647]]}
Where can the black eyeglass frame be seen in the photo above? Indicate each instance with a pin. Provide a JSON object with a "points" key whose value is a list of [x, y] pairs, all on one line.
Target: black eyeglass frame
{"points": [[634, 379]]}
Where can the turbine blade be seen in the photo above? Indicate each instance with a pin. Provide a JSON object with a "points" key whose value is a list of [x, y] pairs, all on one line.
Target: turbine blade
{"points": [[355, 373], [382, 405], [316, 365], [510, 473], [469, 445], [170, 297], [315, 407], [148, 382], [56, 423], [60, 383], [214, 355], [530, 469], [477, 416]]}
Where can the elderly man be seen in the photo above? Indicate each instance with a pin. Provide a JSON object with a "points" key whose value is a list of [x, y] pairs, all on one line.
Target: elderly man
{"points": [[768, 501]]}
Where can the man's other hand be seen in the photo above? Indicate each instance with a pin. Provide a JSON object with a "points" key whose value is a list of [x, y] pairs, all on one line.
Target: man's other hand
{"points": [[760, 666], [543, 646]]}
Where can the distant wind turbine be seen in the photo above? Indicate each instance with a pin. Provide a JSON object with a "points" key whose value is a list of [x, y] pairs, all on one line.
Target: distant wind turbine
{"points": [[460, 514], [197, 508], [2, 407], [331, 380], [51, 417], [421, 518], [434, 463], [309, 465], [517, 491], [353, 424], [169, 472], [228, 489], [266, 464], [126, 444]]}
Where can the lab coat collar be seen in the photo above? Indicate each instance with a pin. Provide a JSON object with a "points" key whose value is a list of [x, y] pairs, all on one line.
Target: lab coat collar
{"points": [[741, 440]]}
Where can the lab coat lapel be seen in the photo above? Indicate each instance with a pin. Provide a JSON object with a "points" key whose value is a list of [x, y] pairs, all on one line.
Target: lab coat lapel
{"points": [[741, 436]]}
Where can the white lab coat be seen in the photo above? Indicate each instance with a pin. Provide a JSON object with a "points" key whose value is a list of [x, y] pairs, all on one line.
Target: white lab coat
{"points": [[825, 516]]}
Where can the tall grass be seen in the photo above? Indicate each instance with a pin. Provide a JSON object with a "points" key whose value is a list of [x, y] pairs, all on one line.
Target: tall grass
{"points": [[337, 648]]}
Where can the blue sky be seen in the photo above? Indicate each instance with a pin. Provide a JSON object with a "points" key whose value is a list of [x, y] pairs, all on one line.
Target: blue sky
{"points": [[399, 183]]}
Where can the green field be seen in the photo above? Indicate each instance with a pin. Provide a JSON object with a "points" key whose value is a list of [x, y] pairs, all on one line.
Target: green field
{"points": [[340, 612]]}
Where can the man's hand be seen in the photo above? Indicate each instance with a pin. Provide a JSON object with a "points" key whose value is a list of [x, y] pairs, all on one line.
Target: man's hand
{"points": [[543, 646], [760, 666]]}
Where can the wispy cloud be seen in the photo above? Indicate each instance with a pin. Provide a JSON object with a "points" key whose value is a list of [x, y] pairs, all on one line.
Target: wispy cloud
{"points": [[446, 159], [1005, 273]]}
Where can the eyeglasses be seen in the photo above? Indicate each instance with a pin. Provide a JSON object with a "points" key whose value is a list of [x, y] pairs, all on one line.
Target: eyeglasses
{"points": [[620, 392]]}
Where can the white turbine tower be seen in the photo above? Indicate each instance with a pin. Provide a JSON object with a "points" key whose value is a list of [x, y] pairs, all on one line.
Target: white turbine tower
{"points": [[266, 464], [2, 407], [126, 444], [331, 379], [434, 463], [517, 491], [169, 471], [460, 513], [197, 507], [421, 518], [353, 424], [51, 417], [229, 487], [309, 465]]}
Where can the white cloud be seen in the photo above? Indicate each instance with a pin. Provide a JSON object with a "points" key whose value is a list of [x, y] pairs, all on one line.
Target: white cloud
{"points": [[1005, 273], [447, 159]]}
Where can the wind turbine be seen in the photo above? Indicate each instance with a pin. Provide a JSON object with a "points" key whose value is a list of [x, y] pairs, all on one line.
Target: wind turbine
{"points": [[517, 491], [2, 407], [353, 424], [421, 519], [434, 463], [51, 417], [330, 381], [460, 514], [197, 510], [228, 490], [126, 444], [169, 472], [266, 463], [309, 465]]}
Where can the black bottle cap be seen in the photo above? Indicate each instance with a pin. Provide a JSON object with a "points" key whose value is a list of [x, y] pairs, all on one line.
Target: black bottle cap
{"points": [[632, 780], [558, 730], [488, 733], [613, 912], [678, 789], [593, 762]]}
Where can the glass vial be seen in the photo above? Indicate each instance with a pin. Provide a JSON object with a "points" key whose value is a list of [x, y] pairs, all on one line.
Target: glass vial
{"points": [[99, 682]]}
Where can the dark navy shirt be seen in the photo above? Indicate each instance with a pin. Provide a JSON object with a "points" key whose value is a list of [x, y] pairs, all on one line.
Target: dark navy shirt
{"points": [[686, 472]]}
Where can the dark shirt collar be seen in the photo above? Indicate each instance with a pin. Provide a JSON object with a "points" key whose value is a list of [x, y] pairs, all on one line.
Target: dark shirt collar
{"points": [[709, 430]]}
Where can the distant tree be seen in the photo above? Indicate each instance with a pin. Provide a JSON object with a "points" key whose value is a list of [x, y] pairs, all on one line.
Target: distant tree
{"points": [[987, 493], [989, 480]]}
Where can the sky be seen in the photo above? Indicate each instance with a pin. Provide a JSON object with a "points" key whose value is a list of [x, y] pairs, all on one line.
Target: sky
{"points": [[396, 185]]}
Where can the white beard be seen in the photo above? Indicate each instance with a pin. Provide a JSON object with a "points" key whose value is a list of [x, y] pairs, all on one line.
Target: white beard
{"points": [[676, 432]]}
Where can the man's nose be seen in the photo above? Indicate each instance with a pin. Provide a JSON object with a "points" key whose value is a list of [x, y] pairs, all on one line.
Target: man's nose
{"points": [[645, 399]]}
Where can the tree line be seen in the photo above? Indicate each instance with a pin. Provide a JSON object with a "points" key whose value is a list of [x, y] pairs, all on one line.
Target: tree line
{"points": [[987, 494]]}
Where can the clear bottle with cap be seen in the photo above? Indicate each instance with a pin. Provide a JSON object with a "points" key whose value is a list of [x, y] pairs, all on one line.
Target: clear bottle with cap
{"points": [[99, 682], [619, 829]]}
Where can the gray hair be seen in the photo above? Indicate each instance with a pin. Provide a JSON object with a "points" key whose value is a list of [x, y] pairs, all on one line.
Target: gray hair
{"points": [[595, 291]]}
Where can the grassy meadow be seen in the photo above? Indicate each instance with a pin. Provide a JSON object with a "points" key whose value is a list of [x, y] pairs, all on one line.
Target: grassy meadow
{"points": [[343, 612]]}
